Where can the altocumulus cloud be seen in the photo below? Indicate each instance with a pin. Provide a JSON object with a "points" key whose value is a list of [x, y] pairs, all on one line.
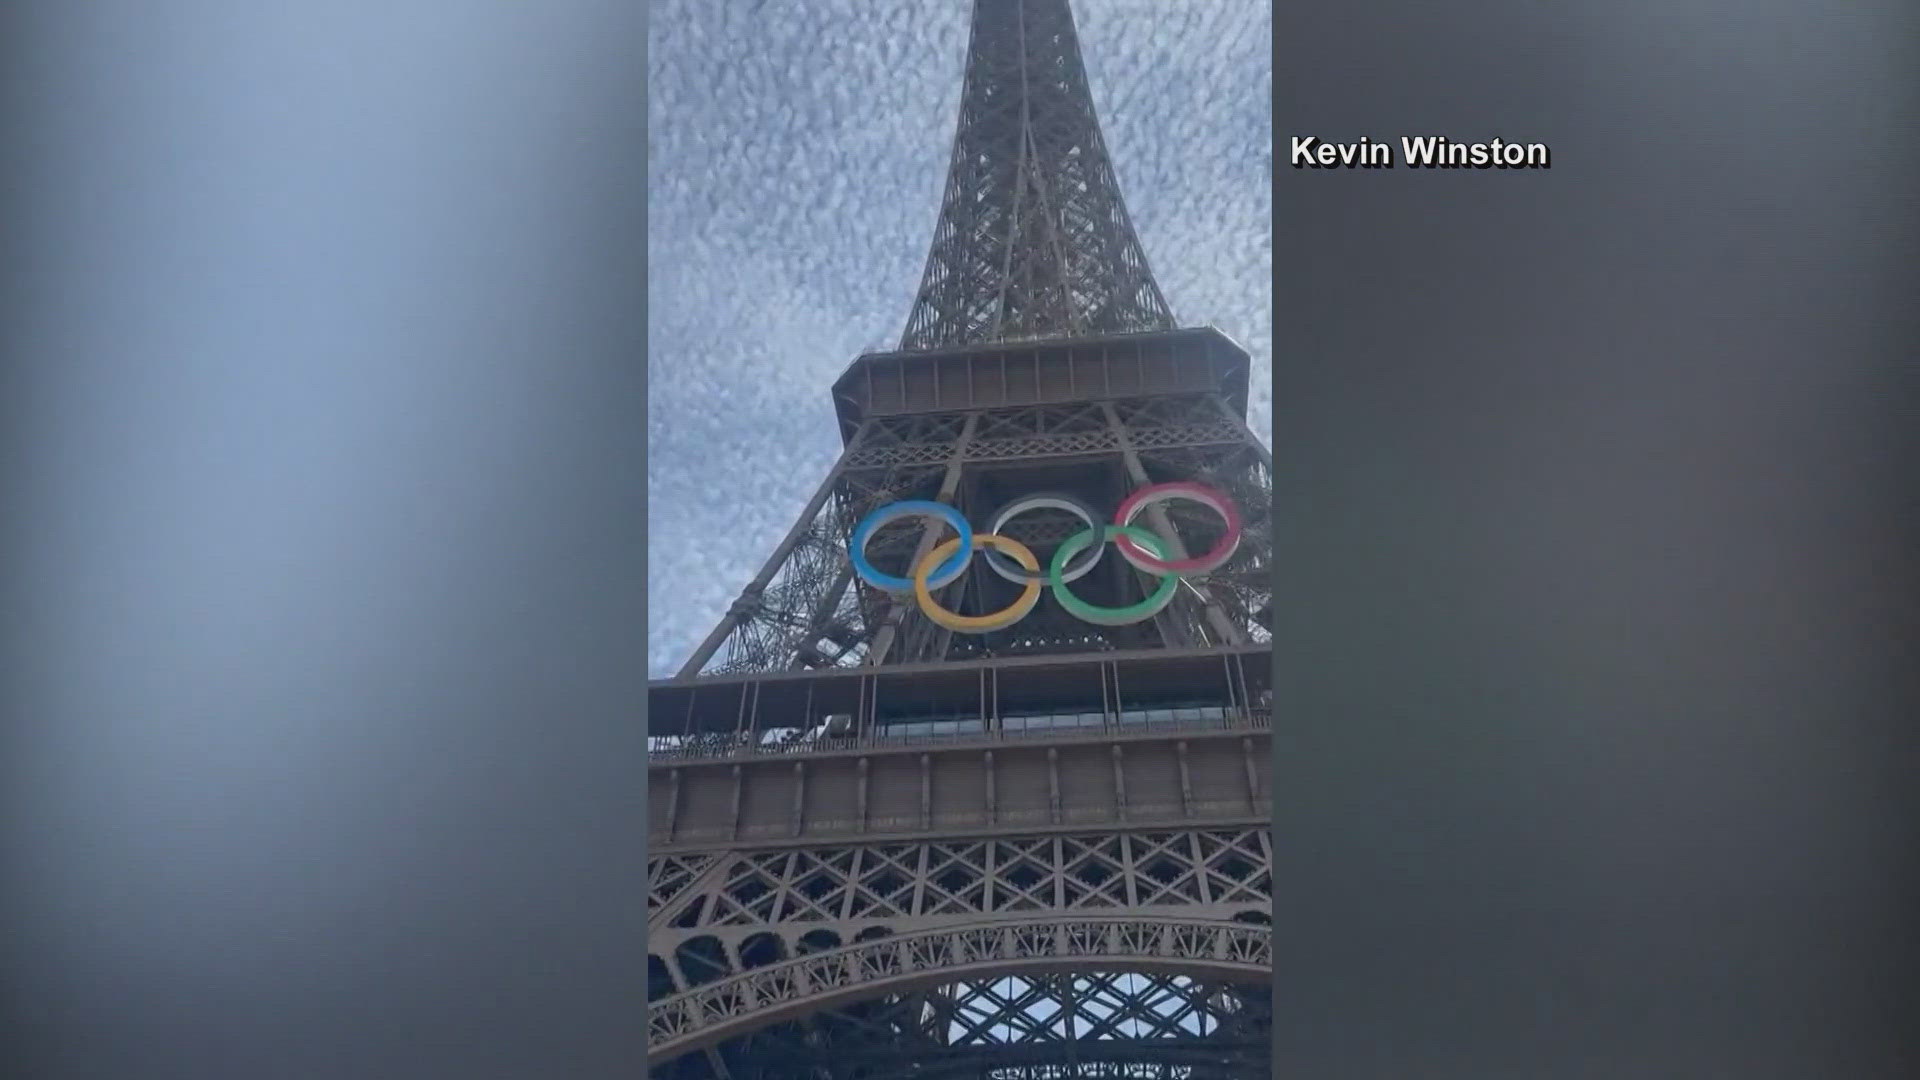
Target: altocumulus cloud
{"points": [[797, 152]]}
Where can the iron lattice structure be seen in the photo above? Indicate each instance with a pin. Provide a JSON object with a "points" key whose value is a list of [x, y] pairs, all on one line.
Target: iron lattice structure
{"points": [[879, 848], [1144, 951], [1033, 239], [809, 611]]}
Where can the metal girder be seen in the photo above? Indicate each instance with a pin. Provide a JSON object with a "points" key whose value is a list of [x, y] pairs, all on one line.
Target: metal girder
{"points": [[1035, 1026], [1146, 942], [963, 964], [848, 890], [1033, 239]]}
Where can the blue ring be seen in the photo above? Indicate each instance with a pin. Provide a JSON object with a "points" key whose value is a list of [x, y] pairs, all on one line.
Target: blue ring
{"points": [[955, 565]]}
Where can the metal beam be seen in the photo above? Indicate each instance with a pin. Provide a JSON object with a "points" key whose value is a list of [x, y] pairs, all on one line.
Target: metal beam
{"points": [[1216, 618], [949, 483], [744, 607]]}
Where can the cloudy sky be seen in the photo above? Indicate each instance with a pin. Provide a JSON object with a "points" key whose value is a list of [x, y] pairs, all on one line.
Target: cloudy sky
{"points": [[797, 152]]}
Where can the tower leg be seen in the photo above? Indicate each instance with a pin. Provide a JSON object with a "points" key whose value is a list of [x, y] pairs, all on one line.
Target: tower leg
{"points": [[742, 608], [1259, 448], [897, 610], [1229, 634]]}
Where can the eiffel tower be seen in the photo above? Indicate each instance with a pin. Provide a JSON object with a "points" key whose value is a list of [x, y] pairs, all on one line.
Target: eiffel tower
{"points": [[971, 780]]}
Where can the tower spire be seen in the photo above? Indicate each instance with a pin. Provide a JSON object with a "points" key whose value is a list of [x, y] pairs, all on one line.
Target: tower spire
{"points": [[1033, 239]]}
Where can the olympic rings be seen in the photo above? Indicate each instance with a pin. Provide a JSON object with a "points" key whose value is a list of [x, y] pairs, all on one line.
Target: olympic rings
{"points": [[1003, 566], [1200, 493], [1073, 559], [979, 624], [857, 546], [1110, 616]]}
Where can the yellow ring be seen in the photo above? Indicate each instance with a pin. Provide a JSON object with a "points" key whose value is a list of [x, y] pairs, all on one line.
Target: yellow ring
{"points": [[977, 624]]}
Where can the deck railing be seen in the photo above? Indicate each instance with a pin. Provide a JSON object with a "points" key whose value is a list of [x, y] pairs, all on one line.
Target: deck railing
{"points": [[682, 749]]}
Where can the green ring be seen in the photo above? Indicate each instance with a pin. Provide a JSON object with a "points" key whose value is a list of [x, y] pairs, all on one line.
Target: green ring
{"points": [[1110, 616]]}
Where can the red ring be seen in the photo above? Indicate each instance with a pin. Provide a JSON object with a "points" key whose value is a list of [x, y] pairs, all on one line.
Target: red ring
{"points": [[1140, 557]]}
